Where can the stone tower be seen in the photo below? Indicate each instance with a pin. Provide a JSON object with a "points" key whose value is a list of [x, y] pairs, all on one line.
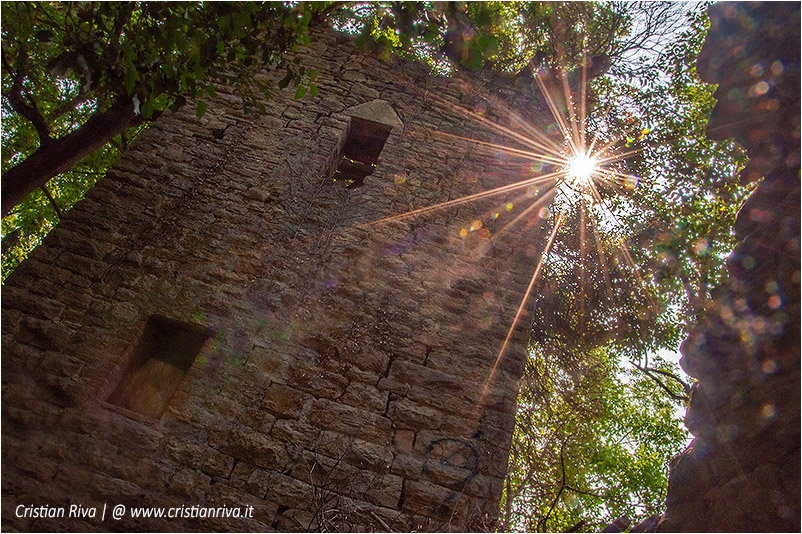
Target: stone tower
{"points": [[222, 324]]}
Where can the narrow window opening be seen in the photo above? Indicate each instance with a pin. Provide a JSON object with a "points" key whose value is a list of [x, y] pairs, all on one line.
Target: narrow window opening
{"points": [[162, 357], [363, 145]]}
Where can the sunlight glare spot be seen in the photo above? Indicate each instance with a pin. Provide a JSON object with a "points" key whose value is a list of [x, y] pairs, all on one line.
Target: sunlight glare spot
{"points": [[581, 169]]}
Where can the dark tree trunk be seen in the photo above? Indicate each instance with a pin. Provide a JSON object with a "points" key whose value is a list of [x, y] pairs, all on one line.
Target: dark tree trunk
{"points": [[59, 155]]}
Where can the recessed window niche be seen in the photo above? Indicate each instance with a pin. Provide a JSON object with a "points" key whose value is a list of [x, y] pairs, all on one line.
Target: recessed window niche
{"points": [[162, 357], [368, 129]]}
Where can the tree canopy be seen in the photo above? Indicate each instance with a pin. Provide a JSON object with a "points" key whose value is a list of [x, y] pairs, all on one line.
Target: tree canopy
{"points": [[598, 410], [626, 271], [81, 74], [80, 80]]}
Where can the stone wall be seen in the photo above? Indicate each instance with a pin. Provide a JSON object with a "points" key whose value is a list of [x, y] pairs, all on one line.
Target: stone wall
{"points": [[742, 471], [343, 374]]}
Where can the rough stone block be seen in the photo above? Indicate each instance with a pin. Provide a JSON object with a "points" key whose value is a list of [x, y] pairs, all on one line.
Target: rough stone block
{"points": [[257, 448], [284, 401], [350, 421]]}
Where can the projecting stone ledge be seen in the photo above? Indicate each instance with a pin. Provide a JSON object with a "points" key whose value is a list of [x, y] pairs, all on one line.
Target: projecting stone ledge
{"points": [[376, 111]]}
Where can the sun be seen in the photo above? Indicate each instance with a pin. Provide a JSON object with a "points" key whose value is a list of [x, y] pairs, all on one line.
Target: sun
{"points": [[580, 170]]}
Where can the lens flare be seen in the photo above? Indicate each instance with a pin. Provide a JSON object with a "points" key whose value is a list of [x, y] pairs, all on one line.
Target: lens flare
{"points": [[581, 169], [565, 167]]}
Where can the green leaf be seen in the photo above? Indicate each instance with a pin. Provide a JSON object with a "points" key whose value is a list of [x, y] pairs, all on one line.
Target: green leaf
{"points": [[285, 81], [474, 59], [131, 77], [147, 109], [487, 45], [300, 92], [200, 108]]}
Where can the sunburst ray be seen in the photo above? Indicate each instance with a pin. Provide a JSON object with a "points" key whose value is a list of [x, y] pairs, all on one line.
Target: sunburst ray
{"points": [[557, 223], [588, 159]]}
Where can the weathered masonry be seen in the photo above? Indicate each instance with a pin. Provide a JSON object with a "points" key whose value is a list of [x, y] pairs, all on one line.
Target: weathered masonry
{"points": [[742, 472], [219, 325]]}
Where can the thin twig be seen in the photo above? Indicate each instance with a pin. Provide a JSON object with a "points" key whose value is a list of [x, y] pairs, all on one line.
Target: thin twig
{"points": [[380, 520], [646, 371], [542, 522], [52, 202]]}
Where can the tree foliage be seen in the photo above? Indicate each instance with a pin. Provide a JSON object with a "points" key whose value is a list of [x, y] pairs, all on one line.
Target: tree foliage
{"points": [[692, 209], [592, 444], [79, 79], [598, 407], [511, 36]]}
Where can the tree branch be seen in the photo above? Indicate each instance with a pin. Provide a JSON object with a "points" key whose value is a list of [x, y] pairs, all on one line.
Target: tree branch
{"points": [[647, 372], [685, 385], [542, 522], [578, 527], [693, 298], [15, 97], [60, 154]]}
